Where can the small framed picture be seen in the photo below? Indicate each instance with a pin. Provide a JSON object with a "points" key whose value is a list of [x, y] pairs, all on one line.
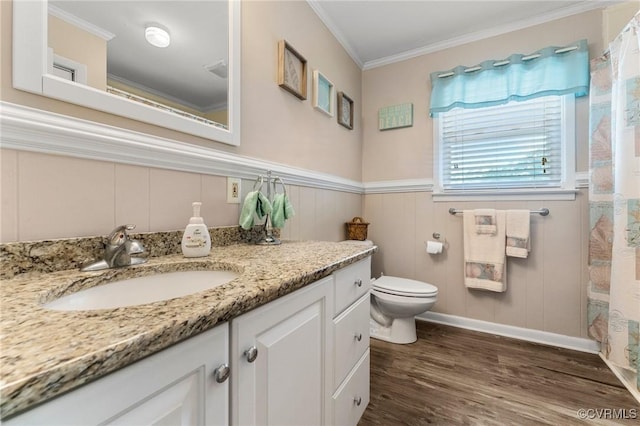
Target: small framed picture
{"points": [[345, 111], [395, 116], [292, 70], [324, 94]]}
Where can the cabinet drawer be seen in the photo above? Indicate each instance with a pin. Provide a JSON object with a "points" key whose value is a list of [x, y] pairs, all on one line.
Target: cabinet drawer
{"points": [[351, 283], [352, 398], [351, 338]]}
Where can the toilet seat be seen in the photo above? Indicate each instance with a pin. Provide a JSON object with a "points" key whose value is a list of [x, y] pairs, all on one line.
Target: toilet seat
{"points": [[404, 287]]}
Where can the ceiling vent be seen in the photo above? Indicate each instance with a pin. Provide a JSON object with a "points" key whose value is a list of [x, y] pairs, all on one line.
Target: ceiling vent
{"points": [[218, 68]]}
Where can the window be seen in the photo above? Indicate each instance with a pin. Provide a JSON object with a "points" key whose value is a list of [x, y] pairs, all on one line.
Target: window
{"points": [[518, 145], [66, 68]]}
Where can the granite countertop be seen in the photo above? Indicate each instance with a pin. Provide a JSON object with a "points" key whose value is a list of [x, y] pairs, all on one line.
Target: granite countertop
{"points": [[45, 353]]}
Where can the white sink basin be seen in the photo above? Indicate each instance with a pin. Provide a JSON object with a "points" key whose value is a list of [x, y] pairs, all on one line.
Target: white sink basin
{"points": [[141, 290]]}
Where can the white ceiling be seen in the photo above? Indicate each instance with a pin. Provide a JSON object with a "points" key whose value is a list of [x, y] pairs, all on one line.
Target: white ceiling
{"points": [[377, 32]]}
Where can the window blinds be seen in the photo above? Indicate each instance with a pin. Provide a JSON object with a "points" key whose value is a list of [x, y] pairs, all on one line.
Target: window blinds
{"points": [[516, 145]]}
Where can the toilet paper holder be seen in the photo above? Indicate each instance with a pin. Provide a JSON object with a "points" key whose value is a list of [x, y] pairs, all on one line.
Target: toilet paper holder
{"points": [[439, 240], [434, 247]]}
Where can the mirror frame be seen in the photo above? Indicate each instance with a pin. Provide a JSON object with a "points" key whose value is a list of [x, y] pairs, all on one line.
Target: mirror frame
{"points": [[30, 73]]}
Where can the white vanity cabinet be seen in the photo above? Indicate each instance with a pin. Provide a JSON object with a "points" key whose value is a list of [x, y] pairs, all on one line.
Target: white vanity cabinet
{"points": [[280, 360], [303, 359], [184, 384], [351, 343]]}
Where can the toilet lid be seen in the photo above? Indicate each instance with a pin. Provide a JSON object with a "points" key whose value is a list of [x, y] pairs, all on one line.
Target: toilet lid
{"points": [[404, 287]]}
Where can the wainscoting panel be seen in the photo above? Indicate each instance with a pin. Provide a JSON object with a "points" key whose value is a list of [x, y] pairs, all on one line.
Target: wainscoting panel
{"points": [[544, 292], [48, 196]]}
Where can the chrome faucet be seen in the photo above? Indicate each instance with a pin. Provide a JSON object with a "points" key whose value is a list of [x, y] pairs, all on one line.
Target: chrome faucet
{"points": [[118, 251]]}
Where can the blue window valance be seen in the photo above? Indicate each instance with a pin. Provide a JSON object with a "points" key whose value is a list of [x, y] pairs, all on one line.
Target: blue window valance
{"points": [[550, 71]]}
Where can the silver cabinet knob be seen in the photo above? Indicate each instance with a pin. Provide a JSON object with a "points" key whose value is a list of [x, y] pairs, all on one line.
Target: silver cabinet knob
{"points": [[357, 400], [251, 353], [358, 336], [222, 373], [358, 282]]}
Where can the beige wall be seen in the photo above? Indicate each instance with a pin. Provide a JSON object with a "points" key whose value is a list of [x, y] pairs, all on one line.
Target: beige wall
{"points": [[545, 291], [52, 197], [408, 153], [276, 126], [615, 18], [78, 45]]}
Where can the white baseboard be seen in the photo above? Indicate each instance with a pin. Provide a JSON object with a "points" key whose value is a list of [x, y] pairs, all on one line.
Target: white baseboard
{"points": [[537, 336]]}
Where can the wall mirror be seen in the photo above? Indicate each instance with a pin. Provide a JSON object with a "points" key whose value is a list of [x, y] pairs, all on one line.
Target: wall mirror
{"points": [[96, 53]]}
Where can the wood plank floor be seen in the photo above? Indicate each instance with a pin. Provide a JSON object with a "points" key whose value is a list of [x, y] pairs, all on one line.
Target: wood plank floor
{"points": [[452, 376]]}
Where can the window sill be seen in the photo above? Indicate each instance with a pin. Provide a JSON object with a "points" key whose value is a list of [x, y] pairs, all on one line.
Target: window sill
{"points": [[507, 195]]}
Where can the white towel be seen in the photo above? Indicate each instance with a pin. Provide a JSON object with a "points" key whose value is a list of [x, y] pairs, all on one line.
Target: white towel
{"points": [[518, 238], [485, 220], [484, 255]]}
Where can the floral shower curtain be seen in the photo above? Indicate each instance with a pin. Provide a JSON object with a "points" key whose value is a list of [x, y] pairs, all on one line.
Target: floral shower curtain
{"points": [[614, 201]]}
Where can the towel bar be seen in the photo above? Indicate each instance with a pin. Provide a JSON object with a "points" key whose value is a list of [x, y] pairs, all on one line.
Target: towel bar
{"points": [[541, 212]]}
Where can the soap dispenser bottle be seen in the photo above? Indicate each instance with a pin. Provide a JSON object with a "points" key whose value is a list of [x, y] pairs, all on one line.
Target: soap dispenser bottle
{"points": [[196, 241]]}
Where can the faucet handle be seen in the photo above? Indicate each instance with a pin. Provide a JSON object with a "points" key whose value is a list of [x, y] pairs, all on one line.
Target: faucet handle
{"points": [[119, 235]]}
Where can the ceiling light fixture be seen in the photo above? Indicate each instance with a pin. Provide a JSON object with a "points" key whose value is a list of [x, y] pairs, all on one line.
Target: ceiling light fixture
{"points": [[157, 36]]}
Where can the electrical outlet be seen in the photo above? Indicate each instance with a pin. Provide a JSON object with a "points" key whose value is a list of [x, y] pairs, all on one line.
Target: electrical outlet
{"points": [[233, 190]]}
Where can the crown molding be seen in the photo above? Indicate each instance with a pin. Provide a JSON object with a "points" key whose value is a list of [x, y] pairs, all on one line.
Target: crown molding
{"points": [[496, 31], [34, 130], [80, 23], [328, 22], [456, 41]]}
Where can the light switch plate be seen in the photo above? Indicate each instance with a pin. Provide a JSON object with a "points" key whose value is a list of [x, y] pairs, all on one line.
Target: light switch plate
{"points": [[234, 190]]}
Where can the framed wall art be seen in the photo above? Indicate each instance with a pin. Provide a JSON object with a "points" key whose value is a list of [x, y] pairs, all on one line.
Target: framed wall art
{"points": [[292, 70], [345, 111], [395, 117], [324, 94]]}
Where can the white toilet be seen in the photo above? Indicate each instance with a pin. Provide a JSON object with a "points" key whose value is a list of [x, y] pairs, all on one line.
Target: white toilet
{"points": [[394, 304]]}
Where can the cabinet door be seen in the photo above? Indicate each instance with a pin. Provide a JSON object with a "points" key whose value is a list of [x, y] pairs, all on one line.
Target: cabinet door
{"points": [[287, 381], [176, 386]]}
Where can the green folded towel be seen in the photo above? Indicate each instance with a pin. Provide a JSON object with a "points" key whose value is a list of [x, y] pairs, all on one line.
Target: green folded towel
{"points": [[255, 204], [264, 206], [282, 210]]}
